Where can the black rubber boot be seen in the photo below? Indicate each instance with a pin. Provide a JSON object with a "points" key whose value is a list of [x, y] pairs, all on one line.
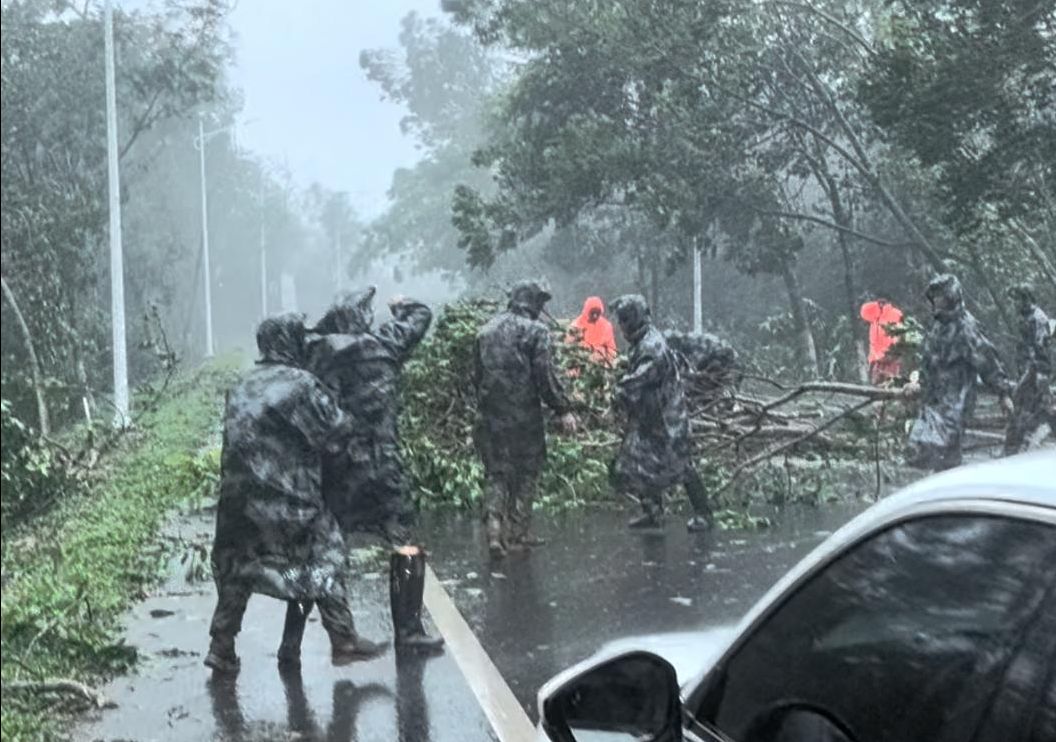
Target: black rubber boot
{"points": [[406, 587], [293, 632], [222, 657], [496, 542], [651, 517], [347, 649], [703, 518]]}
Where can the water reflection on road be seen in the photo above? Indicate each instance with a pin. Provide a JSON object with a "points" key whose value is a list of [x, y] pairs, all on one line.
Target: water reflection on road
{"points": [[596, 582]]}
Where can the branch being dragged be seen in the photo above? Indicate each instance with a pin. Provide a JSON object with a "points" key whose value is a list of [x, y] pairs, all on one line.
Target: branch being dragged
{"points": [[770, 453]]}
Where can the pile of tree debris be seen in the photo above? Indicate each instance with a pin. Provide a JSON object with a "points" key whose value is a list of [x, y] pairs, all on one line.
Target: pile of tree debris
{"points": [[739, 420]]}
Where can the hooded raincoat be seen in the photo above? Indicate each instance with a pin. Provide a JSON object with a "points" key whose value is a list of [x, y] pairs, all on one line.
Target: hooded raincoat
{"points": [[365, 483], [954, 353], [274, 534], [655, 452], [514, 375], [1033, 396], [879, 314], [709, 363], [597, 336]]}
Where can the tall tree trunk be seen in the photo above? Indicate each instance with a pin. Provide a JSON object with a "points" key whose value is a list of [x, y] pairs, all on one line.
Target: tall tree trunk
{"points": [[34, 364], [843, 217], [805, 337], [654, 282], [861, 356]]}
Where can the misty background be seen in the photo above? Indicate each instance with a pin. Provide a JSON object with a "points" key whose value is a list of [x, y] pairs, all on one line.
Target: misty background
{"points": [[813, 156]]}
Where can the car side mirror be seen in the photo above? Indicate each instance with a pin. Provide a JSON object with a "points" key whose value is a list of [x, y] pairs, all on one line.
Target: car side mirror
{"points": [[632, 696]]}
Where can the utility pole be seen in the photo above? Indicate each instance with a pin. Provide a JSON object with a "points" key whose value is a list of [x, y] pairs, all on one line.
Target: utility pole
{"points": [[263, 255], [117, 263], [205, 241], [698, 288]]}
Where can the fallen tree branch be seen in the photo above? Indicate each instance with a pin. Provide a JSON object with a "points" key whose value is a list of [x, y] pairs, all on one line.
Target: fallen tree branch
{"points": [[770, 453], [871, 393], [60, 686]]}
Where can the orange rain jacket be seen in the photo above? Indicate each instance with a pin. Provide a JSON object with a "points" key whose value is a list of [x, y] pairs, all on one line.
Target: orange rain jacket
{"points": [[878, 314], [597, 336]]}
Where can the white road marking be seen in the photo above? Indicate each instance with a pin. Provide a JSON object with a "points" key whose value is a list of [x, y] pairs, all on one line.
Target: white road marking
{"points": [[504, 712]]}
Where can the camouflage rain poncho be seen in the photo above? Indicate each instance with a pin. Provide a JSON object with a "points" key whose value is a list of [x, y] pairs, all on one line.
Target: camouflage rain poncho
{"points": [[710, 366], [274, 534], [954, 353], [514, 376], [1033, 395], [655, 450], [365, 483]]}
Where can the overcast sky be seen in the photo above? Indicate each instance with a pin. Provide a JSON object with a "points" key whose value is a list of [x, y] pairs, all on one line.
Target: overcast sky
{"points": [[307, 99]]}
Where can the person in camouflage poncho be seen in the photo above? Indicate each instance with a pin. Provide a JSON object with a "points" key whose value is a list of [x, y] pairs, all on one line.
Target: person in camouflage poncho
{"points": [[655, 453], [709, 367], [954, 353], [514, 376], [364, 482], [1033, 395], [274, 533]]}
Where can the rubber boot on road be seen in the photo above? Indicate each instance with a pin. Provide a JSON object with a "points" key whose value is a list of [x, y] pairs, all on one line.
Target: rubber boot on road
{"points": [[406, 588], [293, 632], [494, 534], [222, 657], [651, 517], [702, 519], [520, 523], [346, 645]]}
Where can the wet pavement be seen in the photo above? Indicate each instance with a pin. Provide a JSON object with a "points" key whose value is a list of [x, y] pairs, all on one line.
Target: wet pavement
{"points": [[172, 696], [594, 583]]}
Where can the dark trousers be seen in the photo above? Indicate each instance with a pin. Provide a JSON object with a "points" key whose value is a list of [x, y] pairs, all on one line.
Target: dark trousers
{"points": [[233, 597]]}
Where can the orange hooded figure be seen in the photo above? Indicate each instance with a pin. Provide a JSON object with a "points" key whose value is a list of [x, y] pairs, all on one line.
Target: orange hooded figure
{"points": [[877, 314], [593, 331]]}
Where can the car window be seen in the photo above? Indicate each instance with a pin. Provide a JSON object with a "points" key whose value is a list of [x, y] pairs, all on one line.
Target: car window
{"points": [[936, 629]]}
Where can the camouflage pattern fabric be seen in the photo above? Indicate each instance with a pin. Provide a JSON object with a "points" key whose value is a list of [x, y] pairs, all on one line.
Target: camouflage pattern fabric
{"points": [[1033, 396], [955, 352], [364, 483], [708, 363], [514, 375], [274, 533], [655, 450]]}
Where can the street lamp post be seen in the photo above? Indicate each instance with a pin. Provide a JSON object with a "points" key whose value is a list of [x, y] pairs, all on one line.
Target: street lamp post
{"points": [[203, 137], [205, 241], [698, 288], [263, 254], [117, 265]]}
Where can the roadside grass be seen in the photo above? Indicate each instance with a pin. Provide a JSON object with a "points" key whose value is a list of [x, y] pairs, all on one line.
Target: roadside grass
{"points": [[69, 576]]}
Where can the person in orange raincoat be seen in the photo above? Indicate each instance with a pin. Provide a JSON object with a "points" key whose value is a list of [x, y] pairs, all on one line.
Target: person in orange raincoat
{"points": [[879, 313], [593, 331]]}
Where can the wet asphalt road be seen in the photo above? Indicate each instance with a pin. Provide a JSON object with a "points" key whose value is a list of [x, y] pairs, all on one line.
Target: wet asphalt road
{"points": [[595, 582], [172, 696], [534, 614]]}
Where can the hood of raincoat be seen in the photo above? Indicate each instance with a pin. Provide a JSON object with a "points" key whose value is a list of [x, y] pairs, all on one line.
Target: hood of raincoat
{"points": [[946, 297], [280, 339], [529, 297], [592, 303], [632, 313], [596, 335], [351, 313]]}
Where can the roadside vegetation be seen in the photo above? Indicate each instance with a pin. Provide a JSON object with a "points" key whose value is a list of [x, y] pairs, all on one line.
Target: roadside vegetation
{"points": [[71, 571]]}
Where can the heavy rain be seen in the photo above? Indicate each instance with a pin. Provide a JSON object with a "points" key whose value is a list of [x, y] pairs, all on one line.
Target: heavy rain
{"points": [[512, 370]]}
